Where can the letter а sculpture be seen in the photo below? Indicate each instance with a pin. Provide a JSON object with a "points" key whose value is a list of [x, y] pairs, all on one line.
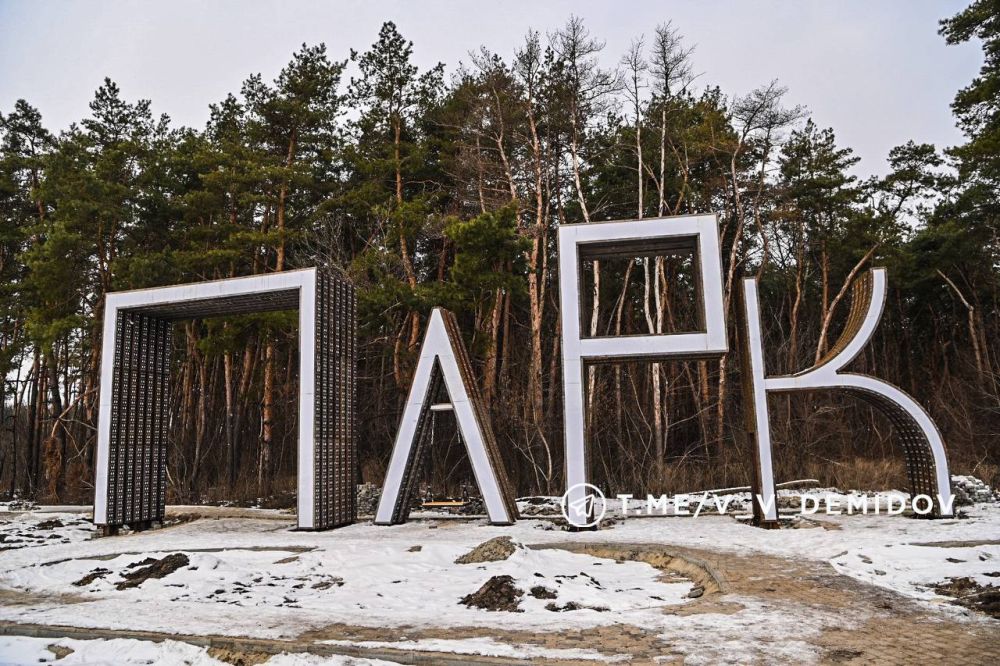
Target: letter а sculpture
{"points": [[443, 359]]}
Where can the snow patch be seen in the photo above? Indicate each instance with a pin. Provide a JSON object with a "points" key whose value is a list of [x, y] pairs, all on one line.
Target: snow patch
{"points": [[489, 647]]}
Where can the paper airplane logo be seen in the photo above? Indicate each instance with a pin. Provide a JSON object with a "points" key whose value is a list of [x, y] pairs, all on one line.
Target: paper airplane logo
{"points": [[583, 505]]}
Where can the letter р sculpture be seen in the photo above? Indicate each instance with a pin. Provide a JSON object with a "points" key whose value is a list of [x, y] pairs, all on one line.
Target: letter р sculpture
{"points": [[926, 463], [578, 243], [132, 426]]}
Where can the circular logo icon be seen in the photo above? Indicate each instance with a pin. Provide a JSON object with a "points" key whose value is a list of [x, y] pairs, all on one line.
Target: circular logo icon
{"points": [[586, 502]]}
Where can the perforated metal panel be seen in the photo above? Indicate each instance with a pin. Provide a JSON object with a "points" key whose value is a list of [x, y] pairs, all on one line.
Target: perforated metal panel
{"points": [[222, 306], [336, 437], [418, 454], [139, 418], [917, 452]]}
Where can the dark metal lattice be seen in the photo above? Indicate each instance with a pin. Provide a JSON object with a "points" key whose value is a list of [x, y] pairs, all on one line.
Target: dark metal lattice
{"points": [[221, 306], [409, 488], [917, 452], [139, 418], [335, 434]]}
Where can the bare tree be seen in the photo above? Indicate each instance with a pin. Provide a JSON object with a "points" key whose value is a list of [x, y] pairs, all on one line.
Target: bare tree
{"points": [[671, 74], [671, 68], [589, 90], [758, 119], [529, 68]]}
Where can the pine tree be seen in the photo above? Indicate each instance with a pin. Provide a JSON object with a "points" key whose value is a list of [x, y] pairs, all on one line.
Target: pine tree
{"points": [[391, 95]]}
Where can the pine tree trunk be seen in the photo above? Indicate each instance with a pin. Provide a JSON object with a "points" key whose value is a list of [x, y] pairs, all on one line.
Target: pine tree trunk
{"points": [[267, 425], [56, 442], [38, 425], [227, 369], [492, 353], [536, 280], [200, 423], [404, 248]]}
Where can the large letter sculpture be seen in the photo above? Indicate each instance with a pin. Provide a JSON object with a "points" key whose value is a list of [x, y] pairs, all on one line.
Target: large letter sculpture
{"points": [[132, 425], [926, 464], [632, 239], [443, 359]]}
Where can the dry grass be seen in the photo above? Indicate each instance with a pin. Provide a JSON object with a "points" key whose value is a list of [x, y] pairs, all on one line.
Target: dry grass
{"points": [[856, 473]]}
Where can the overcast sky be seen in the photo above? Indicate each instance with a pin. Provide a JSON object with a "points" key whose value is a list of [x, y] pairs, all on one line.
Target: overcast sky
{"points": [[877, 72]]}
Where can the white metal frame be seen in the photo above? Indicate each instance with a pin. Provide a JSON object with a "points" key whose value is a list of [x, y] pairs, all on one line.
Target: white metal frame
{"points": [[577, 350], [302, 280]]}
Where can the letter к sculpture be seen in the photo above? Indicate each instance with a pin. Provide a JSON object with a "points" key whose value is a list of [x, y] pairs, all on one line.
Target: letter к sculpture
{"points": [[926, 463]]}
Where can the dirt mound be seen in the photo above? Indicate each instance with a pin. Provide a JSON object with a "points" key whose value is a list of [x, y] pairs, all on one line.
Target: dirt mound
{"points": [[573, 606], [972, 595], [494, 550], [539, 506], [239, 657], [542, 592], [496, 594], [60, 651], [156, 569], [91, 577]]}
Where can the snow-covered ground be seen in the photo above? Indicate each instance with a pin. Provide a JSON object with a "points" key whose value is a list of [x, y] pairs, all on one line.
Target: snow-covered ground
{"points": [[262, 579], [25, 651], [29, 530], [488, 647], [913, 568], [362, 575]]}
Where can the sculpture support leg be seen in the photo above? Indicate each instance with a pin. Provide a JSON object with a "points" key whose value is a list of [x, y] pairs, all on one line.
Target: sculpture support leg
{"points": [[764, 500]]}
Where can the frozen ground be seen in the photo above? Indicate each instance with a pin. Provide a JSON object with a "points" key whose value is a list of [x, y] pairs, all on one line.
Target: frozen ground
{"points": [[259, 578], [28, 530], [25, 651], [294, 581]]}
